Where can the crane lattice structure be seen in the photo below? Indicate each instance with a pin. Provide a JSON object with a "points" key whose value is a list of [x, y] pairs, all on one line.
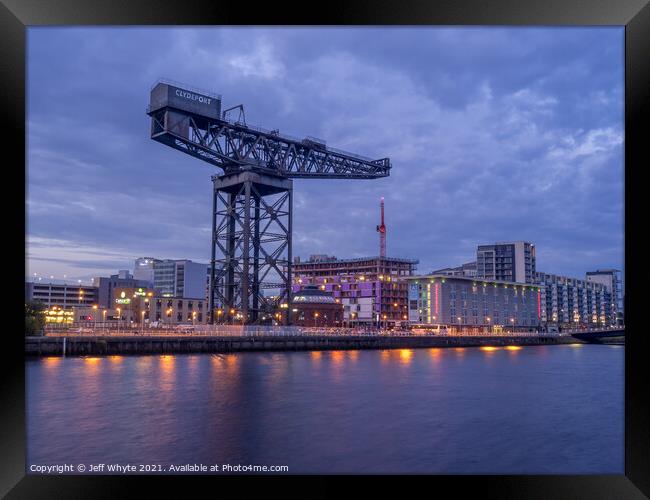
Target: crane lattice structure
{"points": [[252, 198]]}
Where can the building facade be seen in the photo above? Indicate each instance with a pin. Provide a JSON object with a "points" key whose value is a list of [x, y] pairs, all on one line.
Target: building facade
{"points": [[143, 269], [611, 279], [570, 303], [142, 305], [60, 294], [508, 261], [180, 278], [173, 311], [371, 290], [312, 306], [107, 286], [468, 304]]}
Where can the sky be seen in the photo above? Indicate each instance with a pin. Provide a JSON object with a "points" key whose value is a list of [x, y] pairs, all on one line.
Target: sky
{"points": [[494, 134]]}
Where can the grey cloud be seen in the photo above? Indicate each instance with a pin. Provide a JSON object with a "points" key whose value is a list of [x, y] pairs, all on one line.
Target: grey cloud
{"points": [[494, 133]]}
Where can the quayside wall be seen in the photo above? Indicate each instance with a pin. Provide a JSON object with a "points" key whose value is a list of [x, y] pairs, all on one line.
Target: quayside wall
{"points": [[97, 345]]}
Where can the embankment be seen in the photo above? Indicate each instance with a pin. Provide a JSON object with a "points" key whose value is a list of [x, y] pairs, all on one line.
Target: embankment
{"points": [[97, 345]]}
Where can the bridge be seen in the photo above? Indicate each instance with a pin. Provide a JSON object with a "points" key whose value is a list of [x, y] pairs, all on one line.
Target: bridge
{"points": [[609, 336]]}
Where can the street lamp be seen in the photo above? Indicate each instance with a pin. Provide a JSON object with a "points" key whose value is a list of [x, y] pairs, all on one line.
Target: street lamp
{"points": [[459, 324], [143, 311], [95, 316], [104, 320], [193, 317], [512, 320], [119, 319], [488, 322]]}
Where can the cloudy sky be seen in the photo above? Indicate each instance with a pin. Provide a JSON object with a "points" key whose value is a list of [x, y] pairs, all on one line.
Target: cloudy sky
{"points": [[495, 134]]}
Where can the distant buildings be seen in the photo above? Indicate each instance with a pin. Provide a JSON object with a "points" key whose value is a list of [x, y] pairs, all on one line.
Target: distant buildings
{"points": [[611, 280], [572, 303], [472, 304], [106, 287], [60, 294], [180, 278], [500, 290], [565, 302], [468, 270], [144, 269], [370, 289], [510, 261]]}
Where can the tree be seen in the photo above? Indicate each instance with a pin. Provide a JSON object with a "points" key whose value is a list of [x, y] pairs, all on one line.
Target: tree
{"points": [[34, 318]]}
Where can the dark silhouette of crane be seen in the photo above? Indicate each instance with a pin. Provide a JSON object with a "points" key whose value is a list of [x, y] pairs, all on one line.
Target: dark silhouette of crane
{"points": [[252, 198]]}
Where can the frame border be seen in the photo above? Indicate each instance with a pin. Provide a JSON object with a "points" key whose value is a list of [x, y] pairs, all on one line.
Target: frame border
{"points": [[17, 15]]}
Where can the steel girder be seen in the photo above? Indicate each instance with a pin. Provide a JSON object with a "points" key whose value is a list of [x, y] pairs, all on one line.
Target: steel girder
{"points": [[251, 246], [236, 146]]}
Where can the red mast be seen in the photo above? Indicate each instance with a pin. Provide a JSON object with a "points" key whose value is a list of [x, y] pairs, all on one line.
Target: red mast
{"points": [[381, 229]]}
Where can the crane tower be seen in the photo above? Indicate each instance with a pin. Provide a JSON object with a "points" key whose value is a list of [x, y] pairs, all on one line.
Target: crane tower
{"points": [[252, 195]]}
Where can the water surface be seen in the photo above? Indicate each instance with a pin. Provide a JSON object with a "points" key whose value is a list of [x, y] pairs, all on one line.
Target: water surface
{"points": [[532, 410]]}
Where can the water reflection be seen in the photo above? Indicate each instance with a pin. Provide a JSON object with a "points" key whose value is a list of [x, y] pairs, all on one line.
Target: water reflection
{"points": [[337, 357], [359, 411], [405, 356], [51, 362]]}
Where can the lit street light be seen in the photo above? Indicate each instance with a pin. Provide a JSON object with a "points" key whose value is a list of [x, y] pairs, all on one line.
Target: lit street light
{"points": [[95, 316]]}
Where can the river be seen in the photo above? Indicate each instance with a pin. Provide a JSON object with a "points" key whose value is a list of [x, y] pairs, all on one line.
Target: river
{"points": [[531, 410]]}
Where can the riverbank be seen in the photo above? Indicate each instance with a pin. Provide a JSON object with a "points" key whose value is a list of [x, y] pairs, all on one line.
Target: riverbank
{"points": [[97, 345]]}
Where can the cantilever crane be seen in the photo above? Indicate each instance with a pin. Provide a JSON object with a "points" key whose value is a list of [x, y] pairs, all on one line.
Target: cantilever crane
{"points": [[252, 198]]}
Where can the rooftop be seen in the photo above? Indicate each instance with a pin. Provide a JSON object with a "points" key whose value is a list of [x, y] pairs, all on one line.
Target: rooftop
{"points": [[468, 278], [358, 259]]}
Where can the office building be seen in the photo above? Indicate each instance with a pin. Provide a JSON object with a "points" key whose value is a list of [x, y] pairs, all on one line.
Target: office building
{"points": [[180, 278], [467, 304], [570, 303], [59, 294], [143, 269], [107, 286], [507, 261]]}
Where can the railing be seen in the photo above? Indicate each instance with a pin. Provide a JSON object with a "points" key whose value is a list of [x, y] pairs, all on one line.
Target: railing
{"points": [[267, 331]]}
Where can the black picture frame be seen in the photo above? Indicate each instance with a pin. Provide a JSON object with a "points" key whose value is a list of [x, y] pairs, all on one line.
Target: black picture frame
{"points": [[16, 15]]}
